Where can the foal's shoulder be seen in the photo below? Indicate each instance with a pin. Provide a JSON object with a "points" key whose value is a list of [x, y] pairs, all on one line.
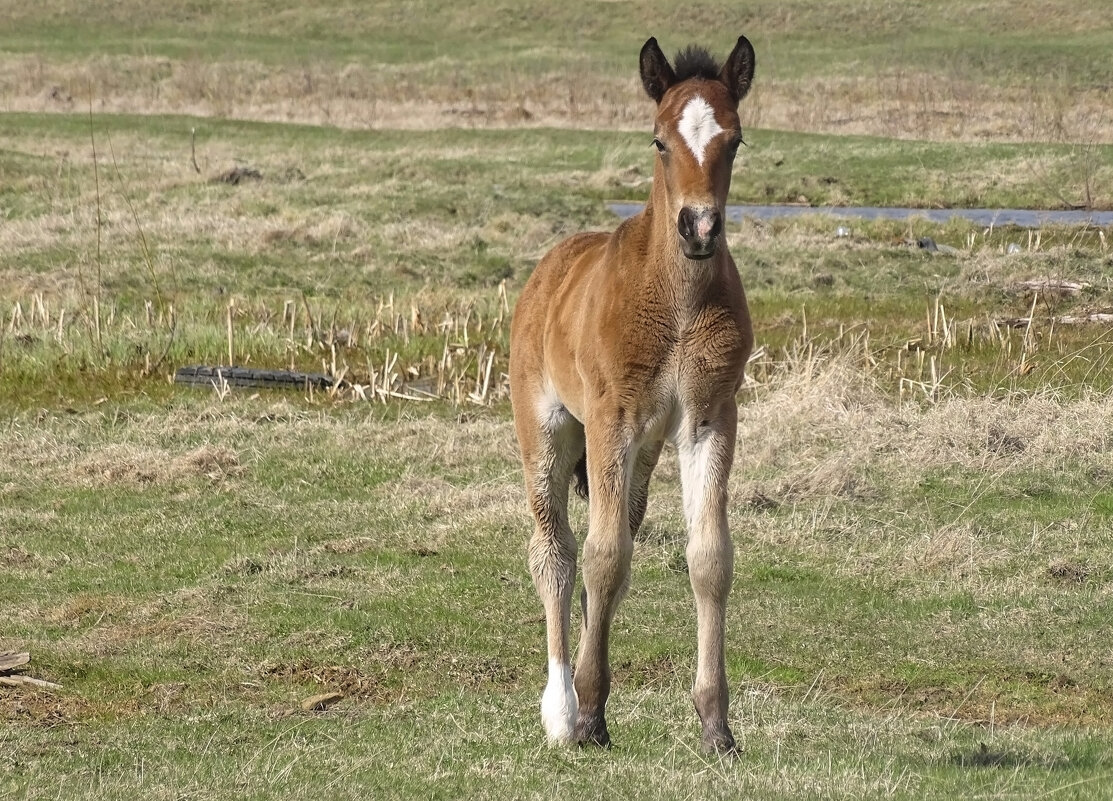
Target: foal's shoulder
{"points": [[577, 244], [557, 262]]}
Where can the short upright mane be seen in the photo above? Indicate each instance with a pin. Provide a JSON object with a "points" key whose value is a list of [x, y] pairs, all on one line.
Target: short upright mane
{"points": [[695, 62]]}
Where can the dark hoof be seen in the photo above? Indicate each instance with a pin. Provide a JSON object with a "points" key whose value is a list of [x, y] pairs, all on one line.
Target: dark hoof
{"points": [[592, 730], [719, 741]]}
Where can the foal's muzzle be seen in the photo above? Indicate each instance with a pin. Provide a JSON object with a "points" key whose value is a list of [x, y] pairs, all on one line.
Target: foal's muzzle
{"points": [[699, 231]]}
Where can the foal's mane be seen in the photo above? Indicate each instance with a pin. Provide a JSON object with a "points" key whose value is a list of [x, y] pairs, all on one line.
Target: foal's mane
{"points": [[695, 62]]}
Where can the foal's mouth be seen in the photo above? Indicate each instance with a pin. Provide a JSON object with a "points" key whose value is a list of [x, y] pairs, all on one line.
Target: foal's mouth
{"points": [[701, 254]]}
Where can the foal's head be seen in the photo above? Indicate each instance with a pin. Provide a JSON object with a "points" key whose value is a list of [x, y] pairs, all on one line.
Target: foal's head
{"points": [[697, 134]]}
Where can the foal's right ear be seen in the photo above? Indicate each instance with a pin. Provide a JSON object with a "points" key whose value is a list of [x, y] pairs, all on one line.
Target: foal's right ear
{"points": [[657, 75]]}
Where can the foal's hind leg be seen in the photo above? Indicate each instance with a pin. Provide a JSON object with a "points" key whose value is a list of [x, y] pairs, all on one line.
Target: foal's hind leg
{"points": [[550, 449], [706, 450]]}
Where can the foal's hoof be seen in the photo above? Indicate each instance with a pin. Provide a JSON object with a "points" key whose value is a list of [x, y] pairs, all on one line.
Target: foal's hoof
{"points": [[592, 730], [719, 741]]}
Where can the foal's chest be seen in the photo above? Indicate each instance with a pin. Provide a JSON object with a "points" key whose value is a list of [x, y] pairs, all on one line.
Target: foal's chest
{"points": [[697, 366]]}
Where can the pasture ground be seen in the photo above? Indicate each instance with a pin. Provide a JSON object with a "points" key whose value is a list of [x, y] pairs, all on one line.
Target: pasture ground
{"points": [[923, 497]]}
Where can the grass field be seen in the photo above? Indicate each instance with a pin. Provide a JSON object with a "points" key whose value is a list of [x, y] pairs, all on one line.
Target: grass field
{"points": [[1020, 70], [923, 497]]}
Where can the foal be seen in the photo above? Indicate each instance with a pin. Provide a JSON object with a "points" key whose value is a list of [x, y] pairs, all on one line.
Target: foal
{"points": [[619, 342]]}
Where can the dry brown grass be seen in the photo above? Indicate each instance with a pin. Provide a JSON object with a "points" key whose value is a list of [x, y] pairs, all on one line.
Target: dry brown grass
{"points": [[901, 104], [132, 465], [824, 427], [934, 108], [815, 433]]}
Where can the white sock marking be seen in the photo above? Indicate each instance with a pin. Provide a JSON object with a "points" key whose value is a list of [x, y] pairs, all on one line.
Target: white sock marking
{"points": [[698, 126], [695, 476], [559, 704]]}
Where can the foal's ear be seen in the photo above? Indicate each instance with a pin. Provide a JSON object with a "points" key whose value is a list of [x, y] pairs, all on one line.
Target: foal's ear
{"points": [[738, 72], [657, 75]]}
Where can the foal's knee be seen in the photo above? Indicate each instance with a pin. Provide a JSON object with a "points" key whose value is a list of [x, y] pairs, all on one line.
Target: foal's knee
{"points": [[552, 562], [606, 567], [711, 566]]}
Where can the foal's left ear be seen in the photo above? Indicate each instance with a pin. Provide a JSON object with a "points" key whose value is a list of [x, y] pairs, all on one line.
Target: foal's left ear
{"points": [[657, 74], [738, 72]]}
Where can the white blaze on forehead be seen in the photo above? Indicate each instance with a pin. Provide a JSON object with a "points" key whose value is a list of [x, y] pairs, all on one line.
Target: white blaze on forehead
{"points": [[698, 126]]}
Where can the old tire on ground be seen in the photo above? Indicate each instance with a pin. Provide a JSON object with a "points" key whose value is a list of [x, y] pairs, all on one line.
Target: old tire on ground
{"points": [[203, 375]]}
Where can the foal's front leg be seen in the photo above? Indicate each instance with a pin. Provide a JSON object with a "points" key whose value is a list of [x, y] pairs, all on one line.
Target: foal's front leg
{"points": [[706, 450], [608, 549]]}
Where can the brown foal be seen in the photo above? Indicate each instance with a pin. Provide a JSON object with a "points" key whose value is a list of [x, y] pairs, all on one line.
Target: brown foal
{"points": [[619, 342]]}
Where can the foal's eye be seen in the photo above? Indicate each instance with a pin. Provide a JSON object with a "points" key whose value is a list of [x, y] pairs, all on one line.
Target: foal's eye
{"points": [[657, 143]]}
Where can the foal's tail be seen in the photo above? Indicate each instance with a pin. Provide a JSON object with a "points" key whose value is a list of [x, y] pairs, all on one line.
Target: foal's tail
{"points": [[581, 476]]}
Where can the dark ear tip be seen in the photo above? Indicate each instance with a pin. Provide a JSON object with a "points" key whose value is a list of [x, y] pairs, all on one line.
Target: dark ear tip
{"points": [[738, 71], [656, 73]]}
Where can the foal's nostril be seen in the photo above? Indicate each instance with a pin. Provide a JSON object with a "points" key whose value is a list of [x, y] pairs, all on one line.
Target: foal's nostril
{"points": [[686, 223]]}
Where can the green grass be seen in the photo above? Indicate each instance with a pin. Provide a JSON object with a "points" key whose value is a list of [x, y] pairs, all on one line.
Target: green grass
{"points": [[190, 575]]}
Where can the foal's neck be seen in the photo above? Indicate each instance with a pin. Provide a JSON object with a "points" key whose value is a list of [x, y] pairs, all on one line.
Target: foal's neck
{"points": [[686, 280]]}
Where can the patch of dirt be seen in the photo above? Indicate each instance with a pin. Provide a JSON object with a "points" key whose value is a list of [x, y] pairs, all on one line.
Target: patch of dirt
{"points": [[982, 756], [295, 236], [184, 628], [1002, 444], [167, 697], [396, 656], [319, 572], [659, 671], [350, 545], [832, 477], [82, 606], [759, 500], [41, 708], [1028, 699], [112, 624], [14, 556], [238, 175], [478, 672], [395, 670], [1068, 572], [245, 566], [211, 461], [289, 567], [350, 681]]}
